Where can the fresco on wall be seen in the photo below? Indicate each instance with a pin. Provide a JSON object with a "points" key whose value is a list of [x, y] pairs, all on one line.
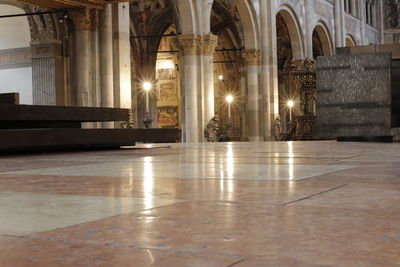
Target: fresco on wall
{"points": [[392, 14]]}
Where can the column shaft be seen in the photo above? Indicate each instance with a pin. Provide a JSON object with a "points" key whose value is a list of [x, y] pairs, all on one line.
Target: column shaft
{"points": [[309, 15], [269, 51], [252, 60], [209, 44], [106, 60]]}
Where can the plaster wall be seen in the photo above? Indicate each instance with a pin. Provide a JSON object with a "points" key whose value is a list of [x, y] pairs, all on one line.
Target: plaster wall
{"points": [[15, 67], [14, 32], [17, 80]]}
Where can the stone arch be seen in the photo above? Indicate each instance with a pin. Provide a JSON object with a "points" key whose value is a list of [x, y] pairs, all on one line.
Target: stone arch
{"points": [[325, 37], [295, 32], [189, 21], [350, 41], [250, 25]]}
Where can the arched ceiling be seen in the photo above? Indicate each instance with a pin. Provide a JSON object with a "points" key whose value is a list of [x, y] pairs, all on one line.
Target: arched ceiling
{"points": [[225, 17], [151, 17]]}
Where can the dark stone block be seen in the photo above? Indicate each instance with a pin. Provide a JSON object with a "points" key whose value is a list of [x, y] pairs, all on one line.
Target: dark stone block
{"points": [[40, 139], [354, 95], [9, 98], [58, 113]]}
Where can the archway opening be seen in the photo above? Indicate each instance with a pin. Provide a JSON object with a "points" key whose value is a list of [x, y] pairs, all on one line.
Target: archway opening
{"points": [[153, 57], [350, 41], [286, 84], [228, 80], [322, 44], [168, 89]]}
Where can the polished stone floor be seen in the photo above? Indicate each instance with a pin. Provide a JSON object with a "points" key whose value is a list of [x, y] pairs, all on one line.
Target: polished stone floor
{"points": [[227, 204]]}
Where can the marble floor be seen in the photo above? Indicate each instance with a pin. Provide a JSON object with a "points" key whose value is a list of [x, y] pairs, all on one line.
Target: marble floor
{"points": [[226, 204]]}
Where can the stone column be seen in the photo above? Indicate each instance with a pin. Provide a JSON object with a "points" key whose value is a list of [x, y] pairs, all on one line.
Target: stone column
{"points": [[309, 23], [339, 24], [122, 56], [209, 42], [353, 8], [268, 31], [95, 84], [252, 60], [362, 22], [106, 60], [243, 99], [382, 20], [82, 24], [190, 46]]}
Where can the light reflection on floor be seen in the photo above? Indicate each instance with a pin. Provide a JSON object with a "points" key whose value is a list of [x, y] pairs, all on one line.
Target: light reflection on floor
{"points": [[247, 204]]}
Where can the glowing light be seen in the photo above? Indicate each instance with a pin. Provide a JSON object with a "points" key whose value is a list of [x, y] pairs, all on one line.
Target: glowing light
{"points": [[220, 77], [290, 103], [165, 64], [147, 86], [229, 99]]}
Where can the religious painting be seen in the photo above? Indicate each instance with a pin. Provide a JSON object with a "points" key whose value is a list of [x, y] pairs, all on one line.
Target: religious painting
{"points": [[167, 92], [392, 14], [168, 117]]}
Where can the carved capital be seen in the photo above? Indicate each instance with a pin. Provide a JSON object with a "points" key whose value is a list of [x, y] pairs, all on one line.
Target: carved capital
{"points": [[252, 57], [189, 44], [196, 44], [209, 43], [82, 19]]}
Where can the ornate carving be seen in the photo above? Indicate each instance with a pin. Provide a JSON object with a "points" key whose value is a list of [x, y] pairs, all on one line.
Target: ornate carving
{"points": [[212, 130], [252, 57], [131, 123], [189, 44], [197, 44], [209, 42], [278, 128], [305, 73], [82, 19]]}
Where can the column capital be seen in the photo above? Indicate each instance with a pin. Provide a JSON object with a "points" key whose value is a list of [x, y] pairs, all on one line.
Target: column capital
{"points": [[197, 44], [82, 19], [252, 57], [189, 44], [209, 43]]}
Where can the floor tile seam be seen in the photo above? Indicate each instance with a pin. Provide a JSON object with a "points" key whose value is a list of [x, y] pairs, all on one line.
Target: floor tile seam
{"points": [[315, 194], [181, 178], [263, 203], [380, 212], [236, 262], [333, 172], [119, 245]]}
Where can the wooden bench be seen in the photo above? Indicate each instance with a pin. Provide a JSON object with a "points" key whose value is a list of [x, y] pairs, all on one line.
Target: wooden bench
{"points": [[30, 127]]}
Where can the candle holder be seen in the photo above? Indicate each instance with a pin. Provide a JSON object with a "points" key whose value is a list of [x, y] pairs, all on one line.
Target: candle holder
{"points": [[147, 121], [147, 118]]}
